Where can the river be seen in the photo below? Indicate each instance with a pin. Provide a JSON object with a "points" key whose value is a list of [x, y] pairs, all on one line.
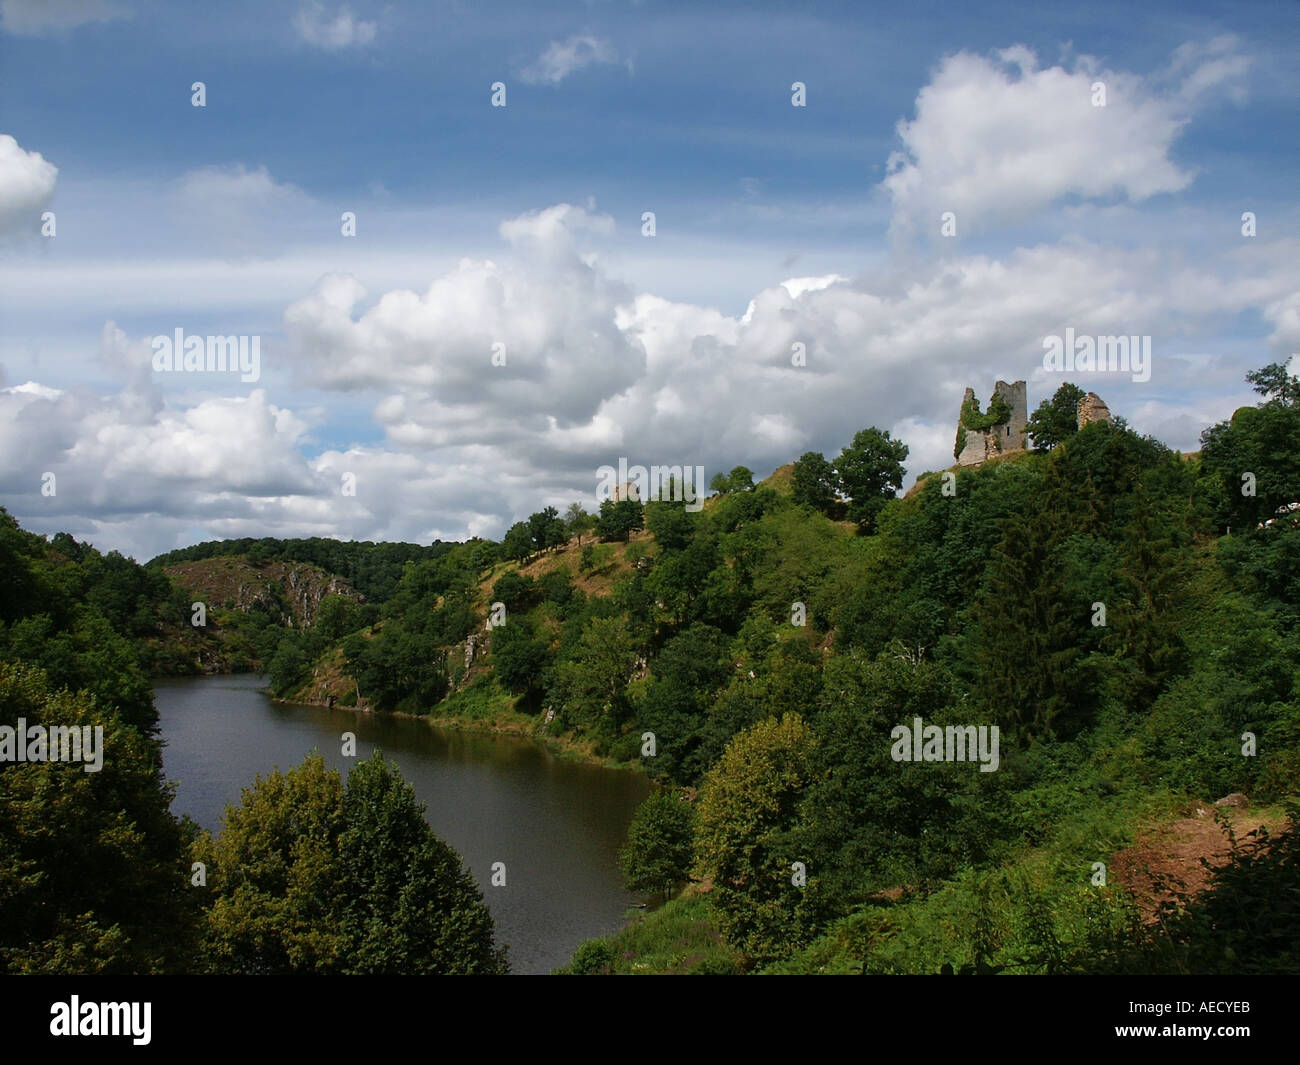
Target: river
{"points": [[557, 825]]}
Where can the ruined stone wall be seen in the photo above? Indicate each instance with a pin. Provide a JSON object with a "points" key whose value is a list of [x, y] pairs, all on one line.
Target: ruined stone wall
{"points": [[1093, 409], [1012, 434], [979, 445]]}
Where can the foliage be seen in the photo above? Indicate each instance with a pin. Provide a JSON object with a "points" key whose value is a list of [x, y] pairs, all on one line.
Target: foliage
{"points": [[815, 483], [657, 855], [618, 520], [1055, 420], [871, 472], [308, 876], [518, 657], [681, 937], [92, 870], [747, 809]]}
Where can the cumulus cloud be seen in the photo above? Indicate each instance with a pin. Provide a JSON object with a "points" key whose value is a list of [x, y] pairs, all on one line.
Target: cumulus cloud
{"points": [[332, 33], [561, 58], [36, 18], [594, 371], [26, 185], [499, 347], [995, 139]]}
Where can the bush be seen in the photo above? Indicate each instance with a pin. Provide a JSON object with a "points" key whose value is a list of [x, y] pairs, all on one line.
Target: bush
{"points": [[592, 958]]}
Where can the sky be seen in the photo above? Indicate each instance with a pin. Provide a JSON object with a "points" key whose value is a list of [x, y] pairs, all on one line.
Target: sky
{"points": [[434, 222]]}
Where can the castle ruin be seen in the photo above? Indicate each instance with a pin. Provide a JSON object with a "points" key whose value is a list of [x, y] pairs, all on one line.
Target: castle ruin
{"points": [[1093, 409], [1002, 428]]}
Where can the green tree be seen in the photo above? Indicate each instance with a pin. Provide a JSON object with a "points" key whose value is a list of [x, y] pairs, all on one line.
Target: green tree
{"points": [[577, 521], [670, 524], [93, 877], [518, 543], [518, 657], [1055, 420], [618, 520], [871, 473], [1028, 633], [595, 957], [307, 877], [557, 534], [747, 810], [540, 527], [657, 855], [515, 590], [409, 906], [814, 482], [592, 681], [1276, 384], [337, 616], [1252, 458], [289, 664], [272, 877], [740, 479]]}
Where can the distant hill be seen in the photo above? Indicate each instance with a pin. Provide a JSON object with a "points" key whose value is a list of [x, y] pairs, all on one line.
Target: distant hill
{"points": [[372, 569]]}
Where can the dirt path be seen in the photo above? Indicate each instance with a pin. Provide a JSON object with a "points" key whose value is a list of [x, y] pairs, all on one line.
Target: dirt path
{"points": [[1168, 858]]}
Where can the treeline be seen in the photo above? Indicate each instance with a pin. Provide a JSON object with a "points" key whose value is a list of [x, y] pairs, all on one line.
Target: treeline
{"points": [[373, 569], [83, 617]]}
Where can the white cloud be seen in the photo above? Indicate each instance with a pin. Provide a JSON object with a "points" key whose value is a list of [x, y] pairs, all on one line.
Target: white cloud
{"points": [[26, 185], [561, 58], [996, 139], [35, 18], [552, 311], [595, 371], [332, 33]]}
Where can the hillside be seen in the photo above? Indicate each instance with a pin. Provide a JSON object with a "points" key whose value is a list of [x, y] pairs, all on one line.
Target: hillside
{"points": [[291, 592]]}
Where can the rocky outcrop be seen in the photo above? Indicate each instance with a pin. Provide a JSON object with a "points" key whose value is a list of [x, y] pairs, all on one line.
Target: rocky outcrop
{"points": [[289, 591]]}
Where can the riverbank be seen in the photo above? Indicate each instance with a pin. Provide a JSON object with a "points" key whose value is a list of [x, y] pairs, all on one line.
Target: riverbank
{"points": [[509, 723]]}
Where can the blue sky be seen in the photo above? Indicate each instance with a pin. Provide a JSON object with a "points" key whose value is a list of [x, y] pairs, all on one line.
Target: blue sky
{"points": [[225, 220]]}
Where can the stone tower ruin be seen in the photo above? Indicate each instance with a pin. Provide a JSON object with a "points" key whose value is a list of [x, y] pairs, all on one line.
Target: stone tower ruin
{"points": [[1093, 409], [978, 438]]}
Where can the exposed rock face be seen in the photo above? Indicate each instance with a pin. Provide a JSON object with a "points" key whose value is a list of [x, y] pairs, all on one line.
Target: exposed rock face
{"points": [[978, 445], [1093, 409], [291, 591]]}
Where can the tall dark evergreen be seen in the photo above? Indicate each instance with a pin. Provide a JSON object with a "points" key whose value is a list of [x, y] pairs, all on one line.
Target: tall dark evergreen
{"points": [[1027, 632]]}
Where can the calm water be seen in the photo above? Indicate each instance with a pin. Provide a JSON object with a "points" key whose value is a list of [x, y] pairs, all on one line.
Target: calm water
{"points": [[557, 825]]}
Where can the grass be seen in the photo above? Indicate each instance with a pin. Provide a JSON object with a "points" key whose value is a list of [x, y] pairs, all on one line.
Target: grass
{"points": [[680, 938]]}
